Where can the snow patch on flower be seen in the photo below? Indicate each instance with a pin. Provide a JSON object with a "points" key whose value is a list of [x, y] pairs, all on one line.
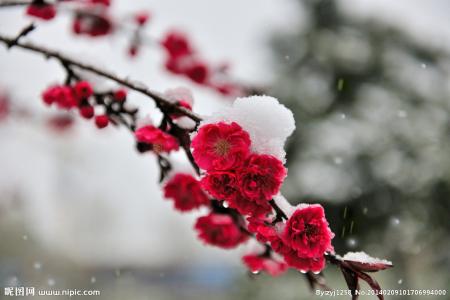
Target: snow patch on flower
{"points": [[179, 94], [145, 121], [284, 204], [268, 123], [185, 123], [365, 258]]}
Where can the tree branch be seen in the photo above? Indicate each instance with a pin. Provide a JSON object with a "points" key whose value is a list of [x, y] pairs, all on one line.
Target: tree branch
{"points": [[162, 102]]}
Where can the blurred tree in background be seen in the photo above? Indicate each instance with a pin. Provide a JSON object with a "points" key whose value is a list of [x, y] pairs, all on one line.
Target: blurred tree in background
{"points": [[372, 140]]}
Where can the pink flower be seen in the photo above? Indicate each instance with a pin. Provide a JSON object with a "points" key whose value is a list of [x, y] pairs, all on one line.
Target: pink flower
{"points": [[197, 71], [257, 263], [246, 206], [101, 121], [142, 18], [61, 95], [222, 185], [101, 2], [60, 123], [307, 232], [220, 146], [219, 230], [120, 95], [42, 11], [186, 192], [87, 111], [160, 141], [176, 44], [4, 106], [83, 90], [92, 25], [261, 177], [304, 264]]}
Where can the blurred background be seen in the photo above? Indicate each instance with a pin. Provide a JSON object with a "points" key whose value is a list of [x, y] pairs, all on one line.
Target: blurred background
{"points": [[368, 82]]}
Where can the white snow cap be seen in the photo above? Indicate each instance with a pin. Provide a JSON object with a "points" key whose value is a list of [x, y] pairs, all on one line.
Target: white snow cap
{"points": [[145, 121], [268, 123], [284, 205], [365, 258], [179, 94], [185, 123]]}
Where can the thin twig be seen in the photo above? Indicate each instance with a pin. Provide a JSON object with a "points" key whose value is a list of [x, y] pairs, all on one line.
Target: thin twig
{"points": [[158, 98]]}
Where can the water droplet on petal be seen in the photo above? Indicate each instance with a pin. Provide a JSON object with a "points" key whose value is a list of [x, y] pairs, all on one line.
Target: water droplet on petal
{"points": [[225, 204], [395, 221], [338, 160], [37, 265], [51, 282], [318, 272], [303, 271], [352, 243], [402, 114], [12, 281], [255, 272]]}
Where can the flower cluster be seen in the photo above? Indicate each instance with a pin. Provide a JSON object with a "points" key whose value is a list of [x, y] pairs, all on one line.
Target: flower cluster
{"points": [[81, 96], [246, 181], [183, 60], [302, 241]]}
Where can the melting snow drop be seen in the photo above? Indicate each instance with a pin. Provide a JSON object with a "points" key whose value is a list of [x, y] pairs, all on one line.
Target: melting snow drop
{"points": [[303, 271], [395, 221], [317, 272], [93, 279], [25, 237], [402, 114], [225, 204], [338, 160], [423, 65], [351, 242], [255, 272], [12, 281], [343, 116], [51, 282], [37, 265], [400, 281]]}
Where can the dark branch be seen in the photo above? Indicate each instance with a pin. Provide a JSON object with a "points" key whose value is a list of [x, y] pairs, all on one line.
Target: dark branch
{"points": [[21, 34], [280, 215], [158, 98]]}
